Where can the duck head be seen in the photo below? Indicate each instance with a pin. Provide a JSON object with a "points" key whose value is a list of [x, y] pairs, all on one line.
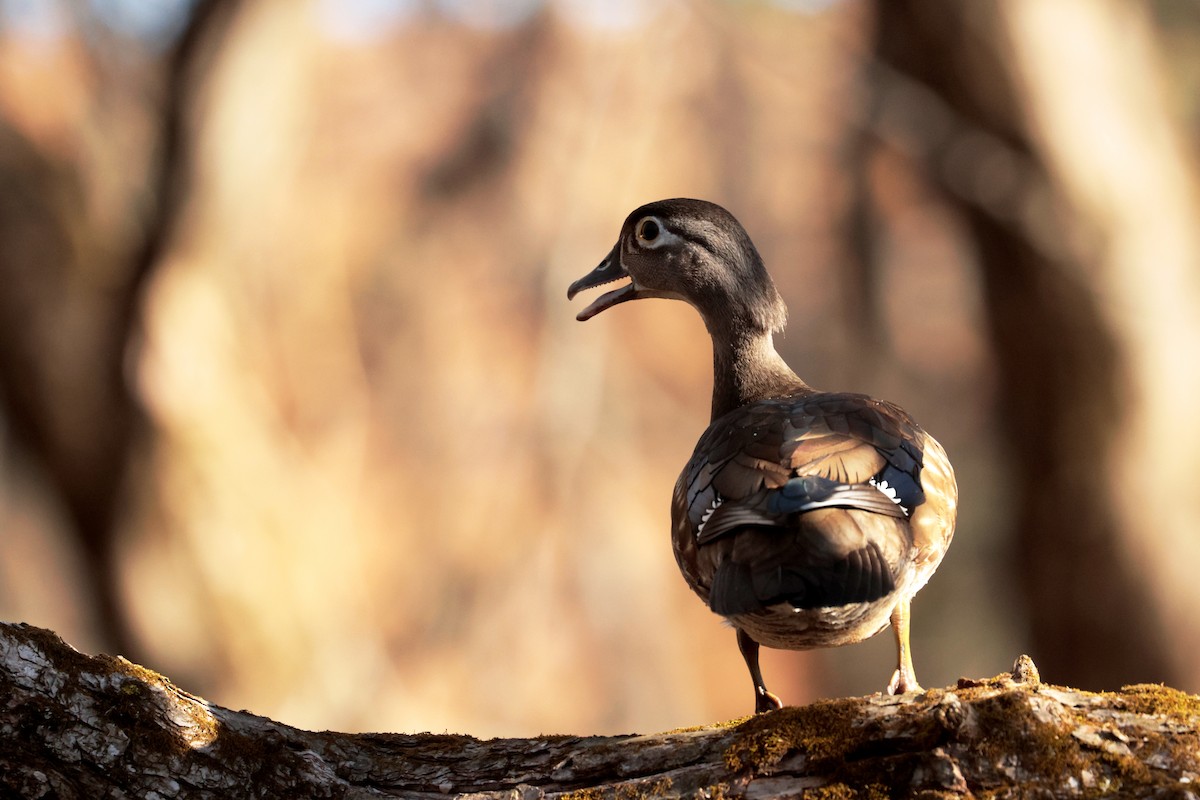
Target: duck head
{"points": [[694, 251]]}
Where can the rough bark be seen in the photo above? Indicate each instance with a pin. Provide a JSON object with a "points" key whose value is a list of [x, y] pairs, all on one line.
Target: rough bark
{"points": [[73, 725]]}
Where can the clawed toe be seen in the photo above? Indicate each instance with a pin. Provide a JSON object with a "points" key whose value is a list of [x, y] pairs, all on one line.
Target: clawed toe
{"points": [[903, 684], [765, 701]]}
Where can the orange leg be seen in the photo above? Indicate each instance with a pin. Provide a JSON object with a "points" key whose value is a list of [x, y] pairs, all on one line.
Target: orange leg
{"points": [[905, 677]]}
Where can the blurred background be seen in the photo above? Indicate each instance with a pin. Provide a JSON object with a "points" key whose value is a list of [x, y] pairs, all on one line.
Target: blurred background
{"points": [[293, 407]]}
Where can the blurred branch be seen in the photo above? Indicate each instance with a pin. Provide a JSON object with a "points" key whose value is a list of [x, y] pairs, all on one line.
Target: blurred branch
{"points": [[1056, 352], [862, 306], [968, 159], [100, 726], [487, 141], [170, 178]]}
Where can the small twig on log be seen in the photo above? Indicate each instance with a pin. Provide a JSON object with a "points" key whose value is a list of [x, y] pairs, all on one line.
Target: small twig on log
{"points": [[78, 726]]}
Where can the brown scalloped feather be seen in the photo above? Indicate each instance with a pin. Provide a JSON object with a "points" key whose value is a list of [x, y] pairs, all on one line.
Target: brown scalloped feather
{"points": [[834, 456], [744, 475], [933, 521]]}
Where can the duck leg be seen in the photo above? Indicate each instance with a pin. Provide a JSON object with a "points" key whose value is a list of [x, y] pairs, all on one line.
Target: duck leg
{"points": [[763, 700], [905, 677]]}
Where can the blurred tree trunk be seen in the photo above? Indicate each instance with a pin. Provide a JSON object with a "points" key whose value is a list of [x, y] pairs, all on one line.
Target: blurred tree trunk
{"points": [[1092, 553], [63, 333], [69, 310]]}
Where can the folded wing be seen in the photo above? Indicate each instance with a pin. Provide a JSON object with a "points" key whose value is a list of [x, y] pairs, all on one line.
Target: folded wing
{"points": [[804, 500]]}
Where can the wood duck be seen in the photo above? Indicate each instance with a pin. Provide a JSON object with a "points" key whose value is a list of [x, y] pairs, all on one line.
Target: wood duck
{"points": [[805, 518]]}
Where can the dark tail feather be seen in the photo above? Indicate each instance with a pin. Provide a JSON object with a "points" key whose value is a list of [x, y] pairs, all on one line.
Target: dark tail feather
{"points": [[861, 577], [733, 590]]}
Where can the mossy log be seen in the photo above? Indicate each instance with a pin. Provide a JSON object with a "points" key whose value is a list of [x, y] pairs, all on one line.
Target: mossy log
{"points": [[73, 725]]}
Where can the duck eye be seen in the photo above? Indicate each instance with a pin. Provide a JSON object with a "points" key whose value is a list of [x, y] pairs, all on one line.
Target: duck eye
{"points": [[648, 230]]}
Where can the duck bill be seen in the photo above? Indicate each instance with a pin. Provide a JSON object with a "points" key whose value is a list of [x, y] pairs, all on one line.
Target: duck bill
{"points": [[610, 270]]}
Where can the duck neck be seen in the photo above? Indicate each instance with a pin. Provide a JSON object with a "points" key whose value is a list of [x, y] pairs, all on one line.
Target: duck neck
{"points": [[747, 368]]}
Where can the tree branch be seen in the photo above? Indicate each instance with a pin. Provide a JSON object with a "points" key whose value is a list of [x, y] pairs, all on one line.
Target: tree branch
{"points": [[78, 726]]}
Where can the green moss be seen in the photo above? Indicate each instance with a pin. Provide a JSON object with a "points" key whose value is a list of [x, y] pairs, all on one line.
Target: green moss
{"points": [[712, 726], [1002, 681], [590, 793], [1012, 726], [644, 789], [841, 740], [1012, 733], [124, 665], [1043, 752], [822, 731], [1046, 748], [834, 791], [716, 791], [843, 791], [1154, 698], [1181, 712], [147, 686], [633, 790]]}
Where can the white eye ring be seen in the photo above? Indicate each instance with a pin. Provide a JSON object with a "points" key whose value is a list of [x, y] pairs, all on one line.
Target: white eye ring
{"points": [[648, 230], [650, 233]]}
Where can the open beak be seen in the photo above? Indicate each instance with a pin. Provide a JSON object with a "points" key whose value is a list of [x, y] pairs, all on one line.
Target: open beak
{"points": [[610, 270]]}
